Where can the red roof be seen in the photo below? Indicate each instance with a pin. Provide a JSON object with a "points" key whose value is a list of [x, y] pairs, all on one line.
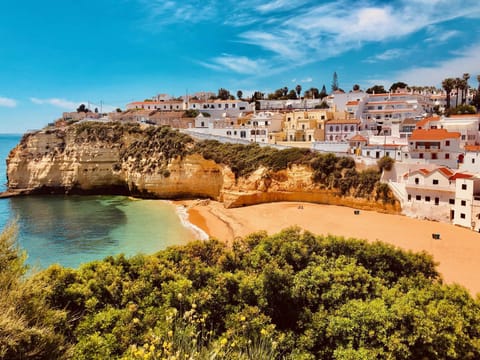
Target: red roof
{"points": [[425, 121], [358, 137], [472, 148], [433, 134], [461, 176], [445, 171], [352, 102]]}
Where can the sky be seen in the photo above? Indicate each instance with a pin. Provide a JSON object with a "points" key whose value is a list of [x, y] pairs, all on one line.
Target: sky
{"points": [[55, 55]]}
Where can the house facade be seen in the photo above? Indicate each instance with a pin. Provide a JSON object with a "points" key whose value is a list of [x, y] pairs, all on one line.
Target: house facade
{"points": [[435, 146]]}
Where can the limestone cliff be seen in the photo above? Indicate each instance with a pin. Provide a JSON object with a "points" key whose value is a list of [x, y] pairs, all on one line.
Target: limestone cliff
{"points": [[152, 162]]}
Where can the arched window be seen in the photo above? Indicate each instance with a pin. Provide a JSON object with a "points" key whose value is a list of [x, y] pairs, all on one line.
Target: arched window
{"points": [[337, 128], [352, 128], [345, 128], [331, 128]]}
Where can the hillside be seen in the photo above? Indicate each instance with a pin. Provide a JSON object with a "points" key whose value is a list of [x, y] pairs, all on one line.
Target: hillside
{"points": [[157, 162]]}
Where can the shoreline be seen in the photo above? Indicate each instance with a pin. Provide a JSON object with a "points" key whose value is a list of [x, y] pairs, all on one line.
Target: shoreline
{"points": [[456, 251]]}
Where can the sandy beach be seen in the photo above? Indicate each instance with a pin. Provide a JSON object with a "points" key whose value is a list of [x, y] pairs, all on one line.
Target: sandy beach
{"points": [[457, 251]]}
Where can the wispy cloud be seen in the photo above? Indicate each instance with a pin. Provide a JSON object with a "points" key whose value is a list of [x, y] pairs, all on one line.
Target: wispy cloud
{"points": [[288, 34], [61, 103], [389, 54], [7, 102], [465, 61], [442, 36], [238, 64], [307, 80]]}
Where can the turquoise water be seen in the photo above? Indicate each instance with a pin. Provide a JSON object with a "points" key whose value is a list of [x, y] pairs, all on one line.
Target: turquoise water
{"points": [[70, 230]]}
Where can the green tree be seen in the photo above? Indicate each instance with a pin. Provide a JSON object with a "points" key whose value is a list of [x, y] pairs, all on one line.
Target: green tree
{"points": [[239, 94], [82, 108], [356, 87], [448, 85], [298, 89], [223, 94], [376, 89], [292, 94], [29, 328], [323, 92], [465, 78], [398, 85], [335, 86]]}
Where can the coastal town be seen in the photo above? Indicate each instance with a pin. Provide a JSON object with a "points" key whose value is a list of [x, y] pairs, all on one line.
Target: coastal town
{"points": [[433, 135]]}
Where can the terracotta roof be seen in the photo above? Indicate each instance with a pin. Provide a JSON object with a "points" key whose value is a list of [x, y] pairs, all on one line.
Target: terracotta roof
{"points": [[445, 171], [433, 134], [473, 148], [425, 121], [358, 137], [352, 102], [460, 176]]}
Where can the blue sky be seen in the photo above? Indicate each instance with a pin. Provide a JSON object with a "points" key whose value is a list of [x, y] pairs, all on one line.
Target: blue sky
{"points": [[55, 54]]}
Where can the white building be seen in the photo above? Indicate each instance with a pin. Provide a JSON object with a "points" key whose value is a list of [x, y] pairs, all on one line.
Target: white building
{"points": [[467, 202], [435, 146]]}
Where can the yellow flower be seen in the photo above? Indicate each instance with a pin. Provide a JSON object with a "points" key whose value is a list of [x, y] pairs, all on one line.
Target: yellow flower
{"points": [[170, 333], [264, 332], [243, 318]]}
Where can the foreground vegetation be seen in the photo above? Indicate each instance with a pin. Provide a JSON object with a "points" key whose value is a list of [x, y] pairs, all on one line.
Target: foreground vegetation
{"points": [[288, 296]]}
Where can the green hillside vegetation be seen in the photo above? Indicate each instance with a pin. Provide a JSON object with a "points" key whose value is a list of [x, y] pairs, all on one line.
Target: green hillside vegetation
{"points": [[151, 148], [292, 295]]}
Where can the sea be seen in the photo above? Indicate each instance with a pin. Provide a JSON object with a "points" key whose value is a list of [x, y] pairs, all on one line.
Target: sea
{"points": [[71, 230]]}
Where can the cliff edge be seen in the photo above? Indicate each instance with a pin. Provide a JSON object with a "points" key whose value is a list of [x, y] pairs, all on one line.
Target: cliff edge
{"points": [[157, 162]]}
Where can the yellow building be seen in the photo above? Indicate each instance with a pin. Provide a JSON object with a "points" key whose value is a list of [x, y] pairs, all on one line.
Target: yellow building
{"points": [[308, 125]]}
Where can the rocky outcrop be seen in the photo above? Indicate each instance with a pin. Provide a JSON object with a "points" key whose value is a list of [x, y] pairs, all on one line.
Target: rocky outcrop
{"points": [[152, 163]]}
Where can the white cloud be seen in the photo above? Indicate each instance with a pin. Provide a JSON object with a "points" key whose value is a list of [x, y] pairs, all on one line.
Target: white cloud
{"points": [[238, 64], [465, 61], [7, 102], [389, 54], [307, 80], [439, 36], [61, 103]]}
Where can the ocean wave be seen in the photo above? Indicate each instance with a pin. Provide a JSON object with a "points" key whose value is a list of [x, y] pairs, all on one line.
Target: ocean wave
{"points": [[182, 212]]}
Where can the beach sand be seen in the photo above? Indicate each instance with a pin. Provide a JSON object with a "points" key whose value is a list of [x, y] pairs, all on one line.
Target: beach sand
{"points": [[457, 251]]}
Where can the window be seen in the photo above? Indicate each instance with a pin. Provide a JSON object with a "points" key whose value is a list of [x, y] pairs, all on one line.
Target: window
{"points": [[451, 201], [417, 180], [243, 134], [427, 198], [462, 216], [337, 128], [434, 156], [463, 203], [464, 186], [331, 128], [435, 182], [447, 156], [345, 128], [447, 142], [409, 197], [463, 137], [473, 161], [437, 201], [368, 153], [418, 197], [420, 155]]}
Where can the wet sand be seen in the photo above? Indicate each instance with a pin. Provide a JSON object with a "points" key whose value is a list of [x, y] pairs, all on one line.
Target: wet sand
{"points": [[457, 251]]}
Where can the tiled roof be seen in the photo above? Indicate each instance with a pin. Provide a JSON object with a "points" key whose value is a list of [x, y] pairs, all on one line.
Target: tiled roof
{"points": [[425, 121], [473, 148], [358, 137], [433, 134], [352, 102], [445, 171], [459, 175]]}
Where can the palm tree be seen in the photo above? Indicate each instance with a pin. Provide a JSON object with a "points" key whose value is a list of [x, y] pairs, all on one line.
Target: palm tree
{"points": [[466, 76], [458, 85], [298, 89], [448, 85]]}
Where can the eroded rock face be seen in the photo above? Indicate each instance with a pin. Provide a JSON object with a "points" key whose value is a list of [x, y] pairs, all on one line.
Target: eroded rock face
{"points": [[150, 162], [68, 161]]}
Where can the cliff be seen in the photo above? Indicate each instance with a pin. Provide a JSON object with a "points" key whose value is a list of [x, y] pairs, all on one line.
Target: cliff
{"points": [[154, 162]]}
